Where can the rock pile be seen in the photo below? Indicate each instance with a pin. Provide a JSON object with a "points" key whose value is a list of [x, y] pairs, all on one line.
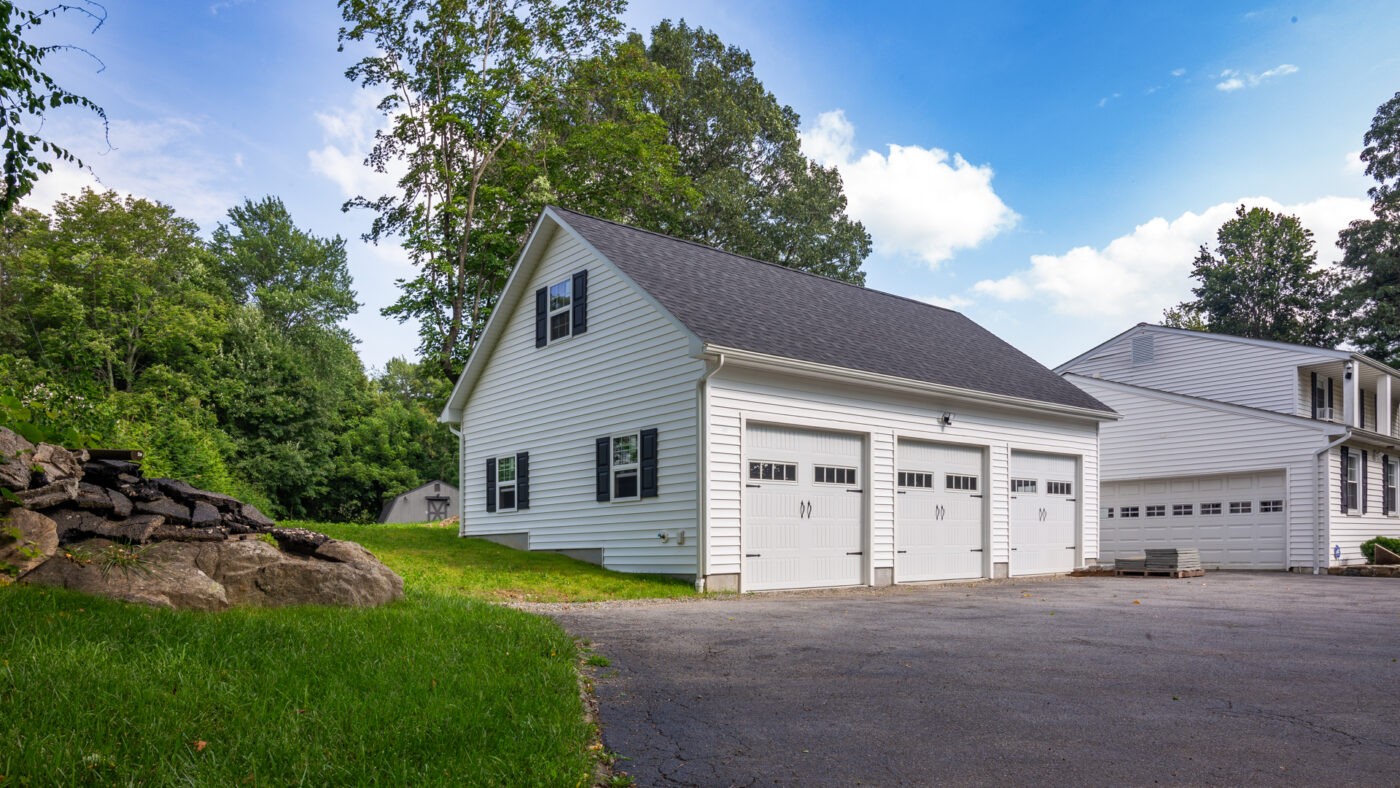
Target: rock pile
{"points": [[100, 526]]}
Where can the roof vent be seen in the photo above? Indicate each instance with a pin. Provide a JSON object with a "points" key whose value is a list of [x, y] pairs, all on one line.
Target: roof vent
{"points": [[1144, 350]]}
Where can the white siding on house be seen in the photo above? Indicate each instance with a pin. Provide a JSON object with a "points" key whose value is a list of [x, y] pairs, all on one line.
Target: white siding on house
{"points": [[1160, 437], [738, 395], [1348, 530], [631, 370], [1258, 376]]}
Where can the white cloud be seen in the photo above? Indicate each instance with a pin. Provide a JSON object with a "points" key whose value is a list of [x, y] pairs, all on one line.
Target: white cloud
{"points": [[1178, 72], [159, 160], [916, 202], [954, 302], [1103, 102], [1139, 274], [1353, 164], [349, 137], [1233, 79]]}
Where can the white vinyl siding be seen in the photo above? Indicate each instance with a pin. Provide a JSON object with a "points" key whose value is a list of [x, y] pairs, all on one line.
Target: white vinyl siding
{"points": [[739, 395], [1349, 530], [1198, 365], [1160, 437], [631, 370]]}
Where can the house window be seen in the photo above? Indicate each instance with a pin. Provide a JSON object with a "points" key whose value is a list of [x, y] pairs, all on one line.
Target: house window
{"points": [[915, 479], [961, 481], [1388, 470], [1270, 507], [1108, 513], [1059, 488], [1241, 507], [773, 471], [1023, 485], [1320, 398], [505, 483], [626, 465], [561, 299], [1210, 508], [829, 474], [1351, 487], [1182, 509], [1157, 510], [1128, 511]]}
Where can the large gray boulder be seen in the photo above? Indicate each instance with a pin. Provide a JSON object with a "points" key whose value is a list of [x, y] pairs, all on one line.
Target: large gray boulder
{"points": [[27, 539], [217, 574], [15, 452]]}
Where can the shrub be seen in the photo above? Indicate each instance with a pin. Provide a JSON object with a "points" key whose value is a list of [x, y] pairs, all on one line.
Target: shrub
{"points": [[1368, 547]]}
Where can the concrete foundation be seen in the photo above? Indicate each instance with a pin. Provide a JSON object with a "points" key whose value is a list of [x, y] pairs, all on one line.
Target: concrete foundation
{"points": [[519, 541], [722, 583], [592, 555], [1001, 570], [883, 576]]}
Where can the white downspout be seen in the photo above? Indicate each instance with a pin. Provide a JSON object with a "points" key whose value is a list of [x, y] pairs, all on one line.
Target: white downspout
{"points": [[461, 481], [1320, 502], [702, 481]]}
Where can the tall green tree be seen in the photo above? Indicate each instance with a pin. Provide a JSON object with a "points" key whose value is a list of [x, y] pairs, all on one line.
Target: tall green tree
{"points": [[1370, 298], [297, 279], [1262, 281], [459, 81], [740, 147], [28, 93]]}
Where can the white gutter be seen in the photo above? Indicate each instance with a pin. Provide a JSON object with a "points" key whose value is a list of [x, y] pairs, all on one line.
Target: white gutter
{"points": [[461, 481], [1320, 502], [702, 482], [905, 384]]}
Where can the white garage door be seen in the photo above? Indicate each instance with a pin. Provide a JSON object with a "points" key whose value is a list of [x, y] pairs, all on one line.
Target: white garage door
{"points": [[938, 512], [803, 504], [1237, 522], [1043, 513]]}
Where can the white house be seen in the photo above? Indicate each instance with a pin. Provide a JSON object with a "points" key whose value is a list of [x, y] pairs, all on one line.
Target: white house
{"points": [[655, 405], [1265, 455]]}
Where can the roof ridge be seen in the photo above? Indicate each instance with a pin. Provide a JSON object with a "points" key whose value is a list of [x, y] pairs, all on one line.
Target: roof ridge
{"points": [[780, 266]]}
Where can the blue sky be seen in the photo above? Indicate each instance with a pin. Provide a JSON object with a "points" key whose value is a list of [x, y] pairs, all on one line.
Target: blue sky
{"points": [[1047, 168]]}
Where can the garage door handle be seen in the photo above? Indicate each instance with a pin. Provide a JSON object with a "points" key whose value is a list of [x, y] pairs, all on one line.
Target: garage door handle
{"points": [[901, 552], [755, 486], [1071, 547], [978, 550], [858, 552], [859, 491], [979, 496], [753, 555]]}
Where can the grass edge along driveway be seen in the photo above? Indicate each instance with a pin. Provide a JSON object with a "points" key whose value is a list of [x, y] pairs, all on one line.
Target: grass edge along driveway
{"points": [[442, 687]]}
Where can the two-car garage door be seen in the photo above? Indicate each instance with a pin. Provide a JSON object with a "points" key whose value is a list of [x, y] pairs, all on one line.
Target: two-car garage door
{"points": [[1236, 521]]}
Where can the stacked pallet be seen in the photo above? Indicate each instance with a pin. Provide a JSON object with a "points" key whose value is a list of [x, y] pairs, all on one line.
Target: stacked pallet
{"points": [[1135, 564], [1162, 562]]}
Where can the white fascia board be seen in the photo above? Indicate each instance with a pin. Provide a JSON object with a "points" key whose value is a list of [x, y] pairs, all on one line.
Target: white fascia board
{"points": [[1096, 348], [1379, 366], [1206, 335], [1325, 427], [847, 375], [500, 315]]}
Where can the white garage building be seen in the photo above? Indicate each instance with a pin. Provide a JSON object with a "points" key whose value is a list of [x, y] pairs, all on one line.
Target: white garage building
{"points": [[654, 405], [1263, 455]]}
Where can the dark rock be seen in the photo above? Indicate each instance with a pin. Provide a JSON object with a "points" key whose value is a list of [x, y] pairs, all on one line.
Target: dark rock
{"points": [[27, 539], [299, 540], [233, 526], [111, 469], [14, 460], [250, 515], [203, 515], [90, 496], [174, 512], [55, 463], [127, 478], [182, 491], [121, 505], [76, 525], [50, 494], [144, 491], [177, 533]]}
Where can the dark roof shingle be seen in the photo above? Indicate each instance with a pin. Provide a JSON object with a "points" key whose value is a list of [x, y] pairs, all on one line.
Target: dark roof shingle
{"points": [[729, 300]]}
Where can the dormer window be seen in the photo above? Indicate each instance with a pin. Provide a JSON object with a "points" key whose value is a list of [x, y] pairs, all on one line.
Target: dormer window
{"points": [[561, 309]]}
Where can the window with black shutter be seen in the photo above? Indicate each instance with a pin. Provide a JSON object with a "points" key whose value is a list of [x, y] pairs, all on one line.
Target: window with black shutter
{"points": [[561, 309], [491, 485], [1364, 487], [626, 466], [508, 483], [1350, 480]]}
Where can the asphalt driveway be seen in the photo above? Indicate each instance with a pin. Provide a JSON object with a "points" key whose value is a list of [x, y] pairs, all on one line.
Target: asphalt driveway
{"points": [[1229, 679]]}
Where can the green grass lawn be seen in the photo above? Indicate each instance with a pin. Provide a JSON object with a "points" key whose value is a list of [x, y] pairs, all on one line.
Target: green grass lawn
{"points": [[442, 687]]}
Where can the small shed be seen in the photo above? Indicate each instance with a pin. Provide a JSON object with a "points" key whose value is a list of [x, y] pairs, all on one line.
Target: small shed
{"points": [[436, 500]]}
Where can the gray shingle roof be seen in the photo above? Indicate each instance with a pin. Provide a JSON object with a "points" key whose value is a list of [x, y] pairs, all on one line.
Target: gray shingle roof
{"points": [[733, 301]]}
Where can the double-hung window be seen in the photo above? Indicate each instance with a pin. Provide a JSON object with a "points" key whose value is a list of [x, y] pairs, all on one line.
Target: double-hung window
{"points": [[1351, 480], [626, 466], [561, 309], [508, 482], [561, 298], [1389, 467]]}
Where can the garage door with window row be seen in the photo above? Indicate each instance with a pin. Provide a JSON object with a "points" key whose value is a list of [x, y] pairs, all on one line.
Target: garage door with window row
{"points": [[1270, 506]]}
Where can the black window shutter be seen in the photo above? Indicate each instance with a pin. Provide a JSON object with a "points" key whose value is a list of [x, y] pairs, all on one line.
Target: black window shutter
{"points": [[1345, 458], [648, 463], [491, 485], [604, 467], [1313, 395], [1363, 482], [1361, 411], [580, 303], [541, 317], [1329, 392], [522, 480], [1387, 503]]}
